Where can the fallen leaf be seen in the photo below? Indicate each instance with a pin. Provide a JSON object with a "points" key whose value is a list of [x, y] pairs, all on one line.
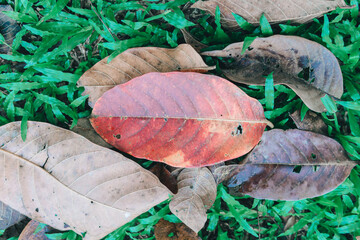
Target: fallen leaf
{"points": [[311, 122], [275, 11], [189, 39], [8, 216], [197, 193], [181, 119], [85, 129], [34, 231], [8, 28], [135, 62], [292, 165], [165, 230], [307, 67], [61, 179], [165, 177]]}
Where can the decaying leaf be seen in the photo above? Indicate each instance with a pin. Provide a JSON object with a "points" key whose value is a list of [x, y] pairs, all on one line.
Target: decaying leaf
{"points": [[85, 129], [307, 67], [311, 122], [189, 39], [275, 11], [165, 230], [33, 231], [292, 165], [181, 119], [8, 216], [135, 62], [165, 176], [197, 193], [63, 180], [8, 28]]}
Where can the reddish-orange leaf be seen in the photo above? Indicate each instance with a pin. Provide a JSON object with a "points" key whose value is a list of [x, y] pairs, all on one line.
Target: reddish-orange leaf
{"points": [[182, 119]]}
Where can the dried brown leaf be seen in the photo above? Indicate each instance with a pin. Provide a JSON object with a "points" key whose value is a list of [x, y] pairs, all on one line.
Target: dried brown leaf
{"points": [[288, 57], [62, 179], [135, 62], [275, 11], [197, 193], [85, 129], [8, 216], [165, 176], [165, 230], [30, 231], [292, 165], [311, 122]]}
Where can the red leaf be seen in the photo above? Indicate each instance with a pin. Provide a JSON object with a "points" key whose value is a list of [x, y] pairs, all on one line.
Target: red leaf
{"points": [[182, 119]]}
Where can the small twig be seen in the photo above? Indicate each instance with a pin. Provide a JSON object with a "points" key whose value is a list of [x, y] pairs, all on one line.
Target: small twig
{"points": [[94, 9]]}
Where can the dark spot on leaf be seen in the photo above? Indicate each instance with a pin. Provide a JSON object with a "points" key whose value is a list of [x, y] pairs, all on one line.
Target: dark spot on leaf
{"points": [[238, 131], [36, 209], [92, 202], [66, 225], [297, 169], [315, 168], [313, 156], [118, 136], [250, 48], [165, 119]]}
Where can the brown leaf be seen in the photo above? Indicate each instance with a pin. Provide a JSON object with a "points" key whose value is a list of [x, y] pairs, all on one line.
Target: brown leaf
{"points": [[135, 62], [197, 193], [85, 129], [181, 119], [189, 39], [63, 180], [165, 177], [292, 165], [311, 122], [165, 230], [31, 231], [8, 216], [8, 28], [307, 67], [275, 11]]}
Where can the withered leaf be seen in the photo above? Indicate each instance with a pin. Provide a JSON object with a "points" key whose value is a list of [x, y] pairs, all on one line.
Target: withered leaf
{"points": [[8, 216], [84, 128], [165, 176], [292, 165], [63, 180], [135, 62], [165, 230], [196, 194], [275, 11], [307, 67], [8, 28], [181, 119], [311, 122], [33, 231]]}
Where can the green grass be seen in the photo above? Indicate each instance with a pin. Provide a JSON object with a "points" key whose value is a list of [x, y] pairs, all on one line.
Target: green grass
{"points": [[60, 40]]}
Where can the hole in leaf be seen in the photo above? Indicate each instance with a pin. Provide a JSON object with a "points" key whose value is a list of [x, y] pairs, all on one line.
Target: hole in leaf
{"points": [[250, 48], [315, 168], [238, 131], [307, 74], [118, 136], [297, 169], [313, 156]]}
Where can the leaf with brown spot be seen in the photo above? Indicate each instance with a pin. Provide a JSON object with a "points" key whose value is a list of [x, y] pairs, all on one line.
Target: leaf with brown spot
{"points": [[275, 11], [165, 230], [292, 165], [34, 231], [307, 67], [8, 216], [311, 122], [8, 28], [197, 193], [181, 119], [135, 62], [84, 128], [63, 180]]}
